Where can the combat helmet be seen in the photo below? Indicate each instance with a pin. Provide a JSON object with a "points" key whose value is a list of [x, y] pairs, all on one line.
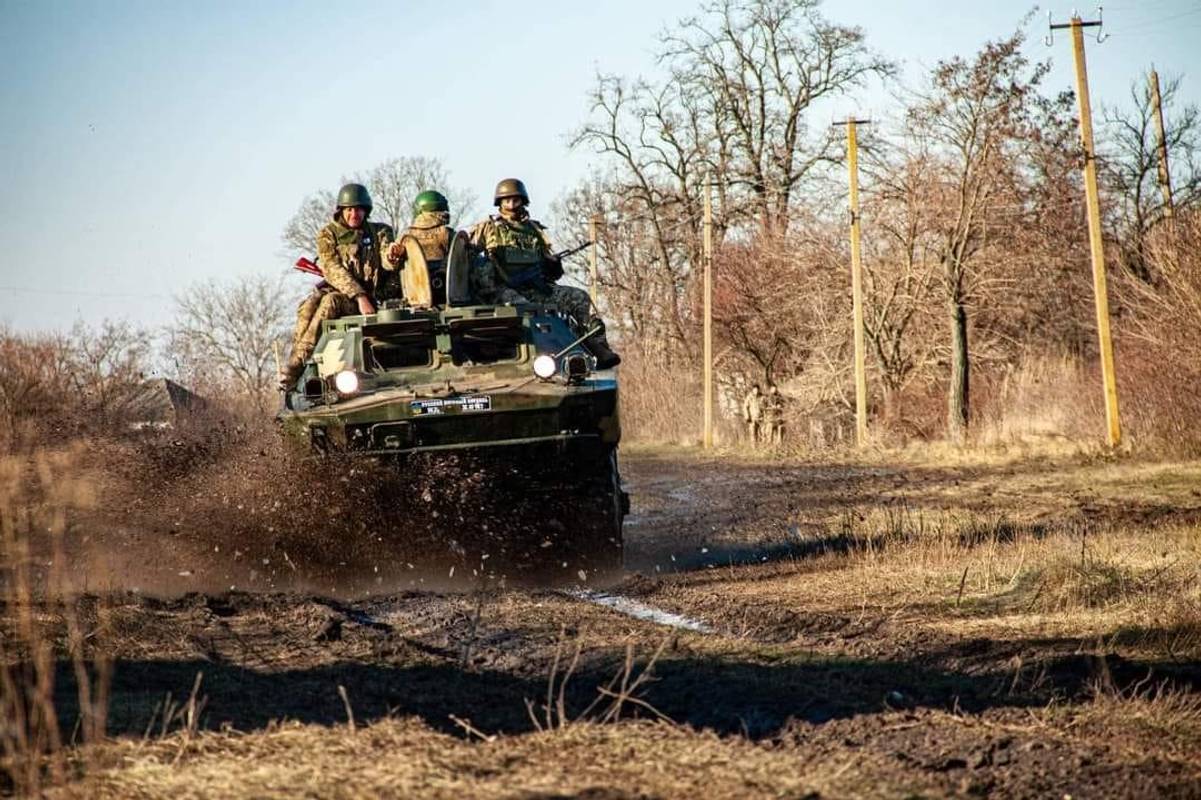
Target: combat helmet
{"points": [[510, 187], [430, 200], [354, 195]]}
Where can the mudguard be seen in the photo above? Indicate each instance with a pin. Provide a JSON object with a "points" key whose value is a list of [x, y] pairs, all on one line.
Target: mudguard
{"points": [[458, 271]]}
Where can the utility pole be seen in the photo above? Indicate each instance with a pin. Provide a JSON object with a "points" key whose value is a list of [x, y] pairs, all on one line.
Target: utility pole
{"points": [[1100, 288], [857, 282], [1165, 177], [708, 336], [592, 272]]}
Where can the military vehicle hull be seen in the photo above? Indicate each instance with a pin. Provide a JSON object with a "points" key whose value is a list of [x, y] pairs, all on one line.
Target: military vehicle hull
{"points": [[461, 382]]}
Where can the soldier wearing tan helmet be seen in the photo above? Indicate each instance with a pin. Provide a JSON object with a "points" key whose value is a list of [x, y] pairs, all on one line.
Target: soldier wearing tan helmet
{"points": [[521, 266], [348, 252]]}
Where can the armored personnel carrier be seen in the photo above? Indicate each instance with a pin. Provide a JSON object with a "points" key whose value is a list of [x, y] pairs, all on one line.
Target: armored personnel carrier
{"points": [[511, 386]]}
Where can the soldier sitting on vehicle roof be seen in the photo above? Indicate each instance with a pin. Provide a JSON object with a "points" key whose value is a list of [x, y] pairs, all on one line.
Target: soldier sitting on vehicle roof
{"points": [[348, 250], [522, 267], [431, 229]]}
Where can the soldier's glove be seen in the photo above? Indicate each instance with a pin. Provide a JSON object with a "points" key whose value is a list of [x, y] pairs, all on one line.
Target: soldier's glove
{"points": [[552, 268], [395, 251]]}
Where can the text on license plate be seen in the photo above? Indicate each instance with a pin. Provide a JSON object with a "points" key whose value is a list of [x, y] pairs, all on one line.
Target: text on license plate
{"points": [[445, 405]]}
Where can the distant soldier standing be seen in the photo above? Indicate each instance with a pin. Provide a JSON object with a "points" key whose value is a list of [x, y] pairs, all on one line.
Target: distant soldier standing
{"points": [[752, 414], [773, 415], [522, 266], [348, 252]]}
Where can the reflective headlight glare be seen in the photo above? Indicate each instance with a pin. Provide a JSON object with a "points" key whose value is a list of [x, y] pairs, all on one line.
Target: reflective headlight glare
{"points": [[545, 366], [346, 382]]}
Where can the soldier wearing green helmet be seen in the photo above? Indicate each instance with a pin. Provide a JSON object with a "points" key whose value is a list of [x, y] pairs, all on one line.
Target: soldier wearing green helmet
{"points": [[430, 227], [432, 232], [522, 267], [349, 250]]}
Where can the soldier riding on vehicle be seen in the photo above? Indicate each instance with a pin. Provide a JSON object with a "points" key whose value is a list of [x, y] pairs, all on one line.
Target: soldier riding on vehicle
{"points": [[348, 250], [432, 232], [482, 372], [523, 268]]}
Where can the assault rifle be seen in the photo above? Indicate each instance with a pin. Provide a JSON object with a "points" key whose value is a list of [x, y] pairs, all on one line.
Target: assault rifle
{"points": [[571, 251], [308, 267]]}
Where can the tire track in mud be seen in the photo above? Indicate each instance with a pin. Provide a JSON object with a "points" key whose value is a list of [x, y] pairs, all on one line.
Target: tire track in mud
{"points": [[638, 610]]}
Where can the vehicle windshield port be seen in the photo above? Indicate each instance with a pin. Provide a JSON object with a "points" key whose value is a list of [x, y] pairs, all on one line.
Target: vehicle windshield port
{"points": [[399, 354], [475, 348]]}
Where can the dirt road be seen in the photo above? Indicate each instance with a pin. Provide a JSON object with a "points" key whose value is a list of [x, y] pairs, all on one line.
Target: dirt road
{"points": [[1013, 629]]}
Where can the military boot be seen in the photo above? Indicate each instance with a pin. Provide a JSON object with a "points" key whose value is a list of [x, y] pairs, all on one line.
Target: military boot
{"points": [[598, 345], [290, 372]]}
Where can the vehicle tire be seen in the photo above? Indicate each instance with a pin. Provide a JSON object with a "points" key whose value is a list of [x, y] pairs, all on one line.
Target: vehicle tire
{"points": [[600, 545]]}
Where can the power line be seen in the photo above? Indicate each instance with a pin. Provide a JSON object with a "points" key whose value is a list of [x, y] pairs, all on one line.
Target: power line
{"points": [[1157, 23], [80, 293]]}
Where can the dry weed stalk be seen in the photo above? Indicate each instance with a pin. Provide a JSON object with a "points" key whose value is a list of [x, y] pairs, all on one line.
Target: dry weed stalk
{"points": [[1160, 708], [349, 711], [36, 494], [624, 688]]}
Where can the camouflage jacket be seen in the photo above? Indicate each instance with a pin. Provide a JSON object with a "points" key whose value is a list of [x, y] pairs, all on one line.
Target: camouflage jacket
{"points": [[752, 407], [432, 231], [512, 245], [350, 258]]}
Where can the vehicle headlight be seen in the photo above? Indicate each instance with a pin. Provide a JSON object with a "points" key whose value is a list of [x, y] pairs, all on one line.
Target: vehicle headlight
{"points": [[545, 366], [346, 382]]}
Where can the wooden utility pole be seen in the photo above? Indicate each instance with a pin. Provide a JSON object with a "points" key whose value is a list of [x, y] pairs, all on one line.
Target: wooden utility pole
{"points": [[1096, 245], [708, 335], [1165, 177], [857, 283], [592, 256]]}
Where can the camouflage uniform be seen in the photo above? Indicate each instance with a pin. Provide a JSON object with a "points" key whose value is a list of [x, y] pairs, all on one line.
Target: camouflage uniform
{"points": [[773, 416], [351, 263], [519, 247], [752, 414], [432, 231], [350, 259]]}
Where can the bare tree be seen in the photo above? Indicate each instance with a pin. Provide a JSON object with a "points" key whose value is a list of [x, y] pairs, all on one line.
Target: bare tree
{"points": [[758, 66], [1130, 168], [644, 285], [232, 329], [108, 366], [393, 185], [971, 126], [89, 379], [300, 233], [900, 270], [740, 81]]}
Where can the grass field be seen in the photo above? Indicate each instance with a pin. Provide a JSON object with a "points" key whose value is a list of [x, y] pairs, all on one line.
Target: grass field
{"points": [[1007, 627]]}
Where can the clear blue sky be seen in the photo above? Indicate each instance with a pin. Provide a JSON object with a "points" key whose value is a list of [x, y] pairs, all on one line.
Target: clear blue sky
{"points": [[145, 145]]}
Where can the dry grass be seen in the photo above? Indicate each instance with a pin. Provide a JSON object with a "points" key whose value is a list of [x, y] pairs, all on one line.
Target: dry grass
{"points": [[405, 758], [44, 627], [1010, 556], [1159, 709], [997, 549], [1067, 576], [660, 404]]}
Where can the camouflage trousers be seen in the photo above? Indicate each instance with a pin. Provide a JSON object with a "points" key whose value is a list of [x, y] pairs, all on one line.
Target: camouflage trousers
{"points": [[319, 306], [567, 299]]}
